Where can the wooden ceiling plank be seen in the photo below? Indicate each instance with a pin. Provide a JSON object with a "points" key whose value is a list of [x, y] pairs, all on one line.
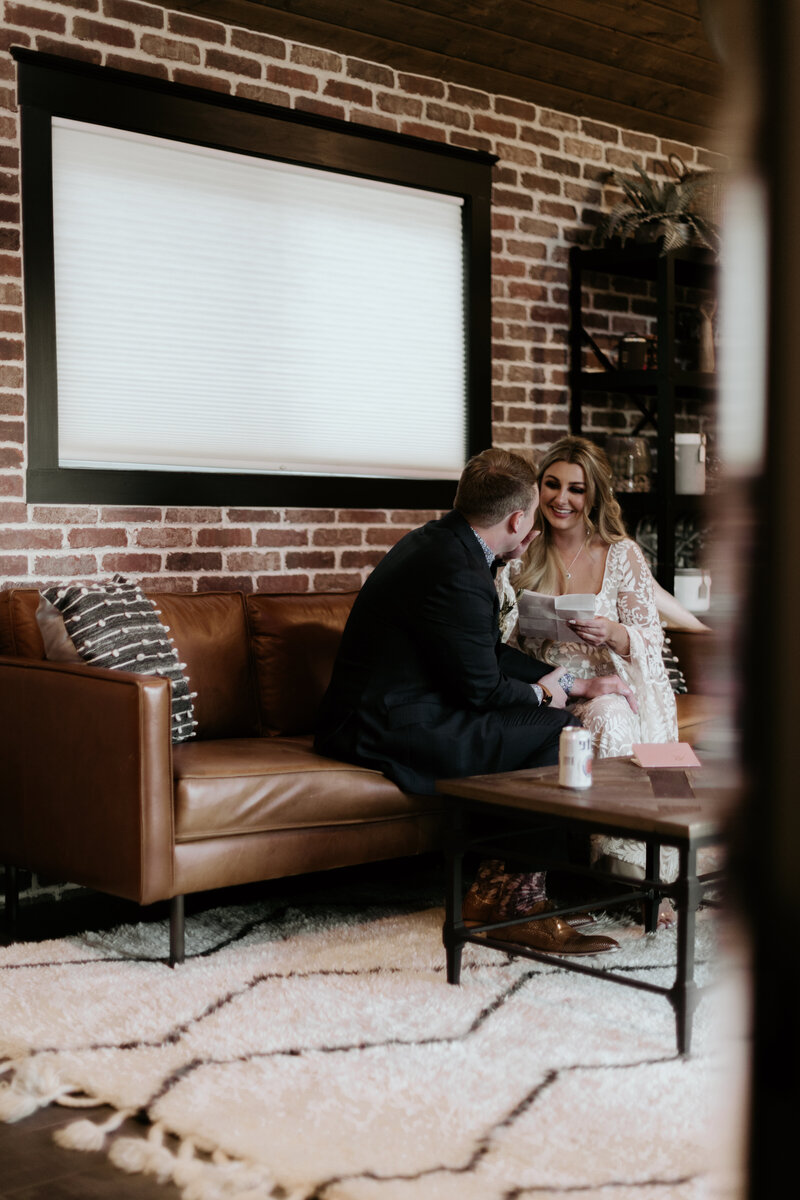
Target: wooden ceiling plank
{"points": [[640, 19], [632, 15], [685, 7], [697, 128], [381, 18], [559, 27], [589, 25]]}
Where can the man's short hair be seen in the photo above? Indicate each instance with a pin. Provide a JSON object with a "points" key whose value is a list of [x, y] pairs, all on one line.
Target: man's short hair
{"points": [[493, 484]]}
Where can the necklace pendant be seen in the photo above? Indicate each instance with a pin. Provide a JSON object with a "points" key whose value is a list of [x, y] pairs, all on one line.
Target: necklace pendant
{"points": [[568, 575]]}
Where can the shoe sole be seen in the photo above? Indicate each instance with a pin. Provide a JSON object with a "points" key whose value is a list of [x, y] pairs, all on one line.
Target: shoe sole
{"points": [[546, 949], [563, 953], [574, 924]]}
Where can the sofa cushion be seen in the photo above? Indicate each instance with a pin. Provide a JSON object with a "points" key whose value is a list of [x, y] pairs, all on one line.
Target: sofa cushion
{"points": [[250, 785], [114, 625], [294, 637], [210, 631]]}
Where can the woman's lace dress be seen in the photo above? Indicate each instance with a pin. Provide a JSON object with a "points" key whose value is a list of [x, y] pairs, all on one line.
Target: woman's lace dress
{"points": [[626, 596]]}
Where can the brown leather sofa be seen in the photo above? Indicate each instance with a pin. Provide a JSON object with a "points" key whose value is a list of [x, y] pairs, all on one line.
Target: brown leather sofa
{"points": [[699, 708], [94, 792]]}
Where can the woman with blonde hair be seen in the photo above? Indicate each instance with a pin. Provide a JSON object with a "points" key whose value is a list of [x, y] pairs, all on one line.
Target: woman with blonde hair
{"points": [[583, 547]]}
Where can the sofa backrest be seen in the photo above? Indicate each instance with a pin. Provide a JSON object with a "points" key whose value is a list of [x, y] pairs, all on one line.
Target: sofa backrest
{"points": [[694, 651], [210, 634], [259, 664], [294, 640]]}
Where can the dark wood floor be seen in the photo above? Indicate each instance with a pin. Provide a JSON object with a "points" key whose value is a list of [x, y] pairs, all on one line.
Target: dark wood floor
{"points": [[34, 1167]]}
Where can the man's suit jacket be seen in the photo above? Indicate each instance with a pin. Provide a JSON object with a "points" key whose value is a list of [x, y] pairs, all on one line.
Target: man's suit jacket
{"points": [[423, 685]]}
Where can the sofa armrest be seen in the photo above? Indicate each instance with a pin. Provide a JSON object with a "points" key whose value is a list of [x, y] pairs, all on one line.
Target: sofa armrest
{"points": [[87, 776]]}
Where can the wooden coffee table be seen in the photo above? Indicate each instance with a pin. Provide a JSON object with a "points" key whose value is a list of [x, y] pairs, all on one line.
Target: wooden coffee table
{"points": [[503, 816]]}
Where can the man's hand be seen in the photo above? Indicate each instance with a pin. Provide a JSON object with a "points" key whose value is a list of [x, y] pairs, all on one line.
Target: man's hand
{"points": [[601, 685], [551, 683]]}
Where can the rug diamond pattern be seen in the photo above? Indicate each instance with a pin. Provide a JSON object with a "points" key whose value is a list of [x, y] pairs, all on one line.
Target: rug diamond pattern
{"points": [[318, 1052]]}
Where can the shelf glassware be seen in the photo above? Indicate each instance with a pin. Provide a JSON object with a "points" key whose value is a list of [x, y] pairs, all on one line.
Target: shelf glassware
{"points": [[631, 463]]}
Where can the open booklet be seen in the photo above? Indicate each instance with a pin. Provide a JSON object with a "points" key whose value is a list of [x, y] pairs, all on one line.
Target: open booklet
{"points": [[542, 616]]}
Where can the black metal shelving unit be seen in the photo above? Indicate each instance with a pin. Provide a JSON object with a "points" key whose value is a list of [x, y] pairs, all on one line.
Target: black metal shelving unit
{"points": [[652, 392]]}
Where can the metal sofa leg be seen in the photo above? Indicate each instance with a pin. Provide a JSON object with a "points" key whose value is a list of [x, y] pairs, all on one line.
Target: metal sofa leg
{"points": [[11, 875], [176, 931]]}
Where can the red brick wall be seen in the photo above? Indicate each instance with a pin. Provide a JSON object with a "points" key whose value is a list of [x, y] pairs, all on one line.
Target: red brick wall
{"points": [[546, 192]]}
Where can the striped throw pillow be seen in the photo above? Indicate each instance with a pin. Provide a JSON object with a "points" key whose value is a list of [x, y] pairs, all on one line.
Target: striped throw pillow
{"points": [[115, 625]]}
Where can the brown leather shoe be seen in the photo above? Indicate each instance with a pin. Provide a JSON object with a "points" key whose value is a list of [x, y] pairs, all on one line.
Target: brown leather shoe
{"points": [[576, 920], [553, 935], [475, 911]]}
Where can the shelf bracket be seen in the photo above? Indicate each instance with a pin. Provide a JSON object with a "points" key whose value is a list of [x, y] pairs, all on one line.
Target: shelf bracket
{"points": [[602, 358], [648, 418]]}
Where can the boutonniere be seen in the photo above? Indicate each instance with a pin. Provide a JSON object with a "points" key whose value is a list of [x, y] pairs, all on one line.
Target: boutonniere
{"points": [[508, 608]]}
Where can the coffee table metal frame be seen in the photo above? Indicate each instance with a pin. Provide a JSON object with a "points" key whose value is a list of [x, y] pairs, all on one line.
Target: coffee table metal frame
{"points": [[466, 834]]}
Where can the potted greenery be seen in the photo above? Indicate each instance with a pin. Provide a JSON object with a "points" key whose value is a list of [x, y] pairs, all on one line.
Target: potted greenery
{"points": [[676, 208]]}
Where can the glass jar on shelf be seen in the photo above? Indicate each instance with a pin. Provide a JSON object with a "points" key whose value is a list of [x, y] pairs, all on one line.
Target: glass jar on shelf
{"points": [[631, 463]]}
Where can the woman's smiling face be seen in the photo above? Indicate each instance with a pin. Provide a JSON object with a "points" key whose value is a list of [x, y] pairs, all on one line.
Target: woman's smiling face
{"points": [[563, 495]]}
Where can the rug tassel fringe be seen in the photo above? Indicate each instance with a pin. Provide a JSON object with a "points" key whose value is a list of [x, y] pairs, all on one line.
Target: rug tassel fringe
{"points": [[146, 1156], [87, 1135], [34, 1085], [222, 1178], [218, 1178]]}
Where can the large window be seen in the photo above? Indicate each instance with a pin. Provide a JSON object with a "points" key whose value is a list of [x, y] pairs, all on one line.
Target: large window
{"points": [[230, 304]]}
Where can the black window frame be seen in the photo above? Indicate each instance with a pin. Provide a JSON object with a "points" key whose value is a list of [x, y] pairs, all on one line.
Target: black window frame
{"points": [[52, 86]]}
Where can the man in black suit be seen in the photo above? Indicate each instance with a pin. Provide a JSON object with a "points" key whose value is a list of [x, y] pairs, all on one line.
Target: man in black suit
{"points": [[423, 688]]}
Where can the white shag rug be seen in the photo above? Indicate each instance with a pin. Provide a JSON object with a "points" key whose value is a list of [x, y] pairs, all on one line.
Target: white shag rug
{"points": [[318, 1052]]}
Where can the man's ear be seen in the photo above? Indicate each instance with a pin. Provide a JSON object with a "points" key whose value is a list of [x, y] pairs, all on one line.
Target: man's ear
{"points": [[514, 520]]}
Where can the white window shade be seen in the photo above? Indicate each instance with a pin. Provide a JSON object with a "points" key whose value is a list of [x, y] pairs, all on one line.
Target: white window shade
{"points": [[227, 313]]}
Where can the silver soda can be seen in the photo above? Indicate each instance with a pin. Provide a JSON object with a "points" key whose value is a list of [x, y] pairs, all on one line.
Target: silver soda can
{"points": [[575, 757]]}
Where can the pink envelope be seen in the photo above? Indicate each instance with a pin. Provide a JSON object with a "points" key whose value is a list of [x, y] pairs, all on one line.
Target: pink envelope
{"points": [[665, 754]]}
